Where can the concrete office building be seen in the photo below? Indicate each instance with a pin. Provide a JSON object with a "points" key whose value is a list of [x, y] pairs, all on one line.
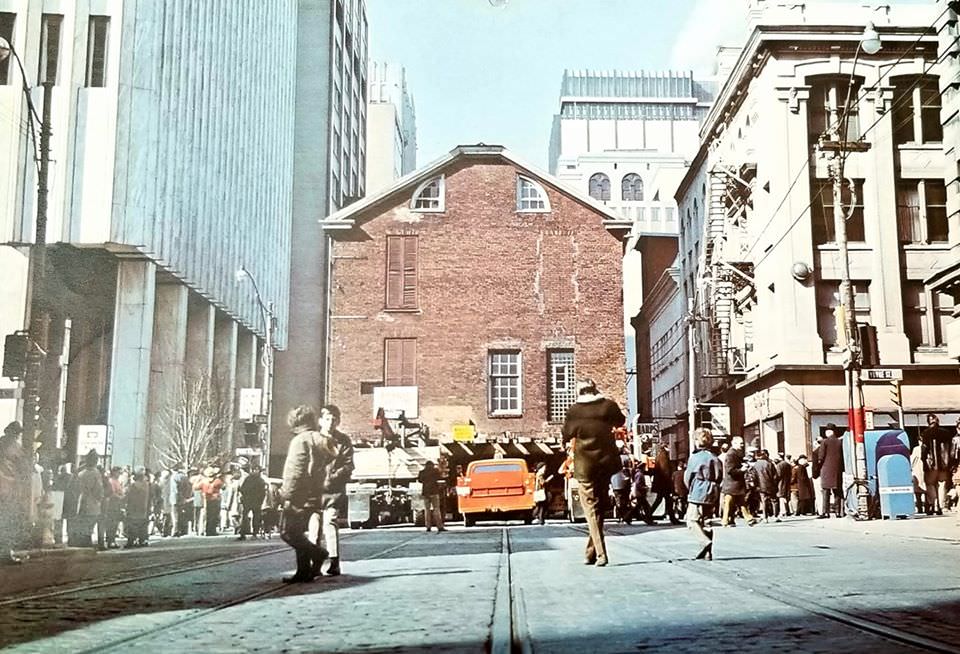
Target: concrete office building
{"points": [[758, 251], [625, 138], [172, 163], [330, 154], [391, 126]]}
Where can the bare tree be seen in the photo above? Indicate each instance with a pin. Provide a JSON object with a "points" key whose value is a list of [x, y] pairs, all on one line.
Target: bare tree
{"points": [[194, 424]]}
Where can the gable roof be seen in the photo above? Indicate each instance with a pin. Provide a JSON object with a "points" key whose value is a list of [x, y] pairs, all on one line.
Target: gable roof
{"points": [[345, 219]]}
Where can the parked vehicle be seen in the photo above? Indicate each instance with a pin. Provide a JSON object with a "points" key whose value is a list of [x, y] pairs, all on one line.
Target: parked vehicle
{"points": [[496, 488]]}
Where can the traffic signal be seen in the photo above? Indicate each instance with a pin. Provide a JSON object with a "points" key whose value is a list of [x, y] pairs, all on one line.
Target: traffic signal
{"points": [[895, 395], [869, 350], [15, 349]]}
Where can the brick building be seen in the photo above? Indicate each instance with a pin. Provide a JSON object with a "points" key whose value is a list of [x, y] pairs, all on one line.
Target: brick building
{"points": [[475, 289]]}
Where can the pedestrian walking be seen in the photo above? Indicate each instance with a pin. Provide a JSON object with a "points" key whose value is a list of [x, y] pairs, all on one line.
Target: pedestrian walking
{"points": [[620, 483], [734, 485], [429, 479], [680, 491], [541, 497], [663, 484], [830, 472], [938, 463], [702, 479], [591, 421], [253, 490], [784, 479], [768, 483], [89, 504], [138, 506], [639, 493], [917, 476], [339, 472], [304, 472]]}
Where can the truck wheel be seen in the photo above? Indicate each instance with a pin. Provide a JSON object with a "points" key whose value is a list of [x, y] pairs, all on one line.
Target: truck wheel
{"points": [[468, 520]]}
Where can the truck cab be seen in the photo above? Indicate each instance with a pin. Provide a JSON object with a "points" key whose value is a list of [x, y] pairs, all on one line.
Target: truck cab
{"points": [[494, 488]]}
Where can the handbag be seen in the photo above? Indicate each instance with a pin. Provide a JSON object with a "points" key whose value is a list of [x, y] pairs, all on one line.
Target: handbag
{"points": [[540, 495]]}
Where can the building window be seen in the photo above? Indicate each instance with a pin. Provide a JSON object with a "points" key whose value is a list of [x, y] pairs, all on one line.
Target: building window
{"points": [[828, 299], [531, 196], [402, 272], [925, 315], [97, 34], [922, 211], [599, 186], [561, 373], [821, 212], [400, 362], [825, 108], [429, 195], [50, 25], [916, 110], [631, 188], [7, 22], [504, 382]]}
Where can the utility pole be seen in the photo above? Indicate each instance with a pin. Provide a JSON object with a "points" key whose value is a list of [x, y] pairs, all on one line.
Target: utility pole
{"points": [[39, 323], [691, 372]]}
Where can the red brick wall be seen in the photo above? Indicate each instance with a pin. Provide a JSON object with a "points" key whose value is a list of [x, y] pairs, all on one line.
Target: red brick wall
{"points": [[488, 277]]}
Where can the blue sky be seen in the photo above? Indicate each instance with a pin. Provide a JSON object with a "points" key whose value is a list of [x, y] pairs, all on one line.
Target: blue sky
{"points": [[492, 74]]}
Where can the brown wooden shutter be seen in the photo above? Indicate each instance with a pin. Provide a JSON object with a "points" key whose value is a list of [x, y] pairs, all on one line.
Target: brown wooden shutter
{"points": [[408, 375], [400, 362], [394, 280], [410, 272]]}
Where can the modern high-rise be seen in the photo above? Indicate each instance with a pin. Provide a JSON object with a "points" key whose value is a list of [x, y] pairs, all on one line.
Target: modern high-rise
{"points": [[171, 168], [391, 126], [330, 154], [625, 138]]}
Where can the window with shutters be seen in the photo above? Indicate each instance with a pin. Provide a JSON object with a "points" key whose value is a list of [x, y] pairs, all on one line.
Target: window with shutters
{"points": [[402, 273], [429, 195], [400, 362], [504, 382]]}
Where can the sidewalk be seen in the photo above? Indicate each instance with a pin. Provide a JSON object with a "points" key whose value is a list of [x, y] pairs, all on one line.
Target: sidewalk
{"points": [[941, 527]]}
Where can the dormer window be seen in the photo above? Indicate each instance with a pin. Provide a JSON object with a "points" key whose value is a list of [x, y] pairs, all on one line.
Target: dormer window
{"points": [[429, 195], [531, 196]]}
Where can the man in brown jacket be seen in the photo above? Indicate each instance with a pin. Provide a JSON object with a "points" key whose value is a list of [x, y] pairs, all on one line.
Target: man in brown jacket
{"points": [[591, 421], [304, 473]]}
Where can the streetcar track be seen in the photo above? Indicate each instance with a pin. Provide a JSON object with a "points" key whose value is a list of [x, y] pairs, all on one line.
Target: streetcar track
{"points": [[783, 596], [200, 614]]}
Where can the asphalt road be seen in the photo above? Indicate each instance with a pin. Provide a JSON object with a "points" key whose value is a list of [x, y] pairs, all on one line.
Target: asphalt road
{"points": [[800, 585]]}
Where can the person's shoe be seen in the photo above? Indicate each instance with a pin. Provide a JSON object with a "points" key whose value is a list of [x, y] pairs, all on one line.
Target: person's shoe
{"points": [[675, 522], [778, 520], [298, 578], [601, 561], [590, 560], [939, 511], [439, 529], [333, 570], [242, 537], [706, 553], [751, 523], [317, 563], [822, 516]]}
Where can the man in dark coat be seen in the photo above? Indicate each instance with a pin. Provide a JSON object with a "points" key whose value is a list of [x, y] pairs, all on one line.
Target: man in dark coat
{"points": [[304, 473], [591, 421], [702, 478], [663, 484], [253, 489], [784, 478], [339, 473], [734, 485], [801, 487], [936, 453], [830, 458], [768, 481]]}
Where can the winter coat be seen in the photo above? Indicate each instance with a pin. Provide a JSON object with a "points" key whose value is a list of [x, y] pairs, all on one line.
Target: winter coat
{"points": [[139, 498], [591, 421], [733, 478], [703, 477], [801, 479], [89, 486], [937, 445], [662, 473], [784, 475], [768, 480], [252, 491], [339, 470], [830, 456], [679, 485], [305, 469]]}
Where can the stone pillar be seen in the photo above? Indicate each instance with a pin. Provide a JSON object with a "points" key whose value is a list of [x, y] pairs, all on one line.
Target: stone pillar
{"points": [[200, 328], [225, 367], [167, 361], [130, 360], [246, 360]]}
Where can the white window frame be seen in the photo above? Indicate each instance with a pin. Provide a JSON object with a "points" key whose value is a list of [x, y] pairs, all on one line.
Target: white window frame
{"points": [[441, 200], [511, 412], [566, 395], [523, 201]]}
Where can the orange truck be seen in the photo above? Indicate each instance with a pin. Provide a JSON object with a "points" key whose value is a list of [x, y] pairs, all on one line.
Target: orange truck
{"points": [[496, 488]]}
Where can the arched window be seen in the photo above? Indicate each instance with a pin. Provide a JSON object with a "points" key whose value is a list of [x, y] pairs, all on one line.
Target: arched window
{"points": [[429, 195], [599, 186], [631, 188], [531, 196]]}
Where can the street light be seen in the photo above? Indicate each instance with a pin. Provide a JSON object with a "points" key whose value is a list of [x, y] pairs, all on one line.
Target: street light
{"points": [[266, 406], [840, 149], [35, 304]]}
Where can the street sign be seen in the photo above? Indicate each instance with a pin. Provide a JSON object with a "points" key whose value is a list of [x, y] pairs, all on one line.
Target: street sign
{"points": [[248, 451], [93, 437], [465, 433], [250, 403], [258, 419], [881, 374]]}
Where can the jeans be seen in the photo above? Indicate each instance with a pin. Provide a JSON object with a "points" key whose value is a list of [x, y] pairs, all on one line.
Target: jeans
{"points": [[432, 515]]}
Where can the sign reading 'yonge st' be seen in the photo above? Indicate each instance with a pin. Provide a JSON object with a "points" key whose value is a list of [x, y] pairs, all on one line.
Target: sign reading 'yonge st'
{"points": [[882, 374]]}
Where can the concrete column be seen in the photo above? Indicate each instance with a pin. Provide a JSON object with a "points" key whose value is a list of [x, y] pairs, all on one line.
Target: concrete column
{"points": [[246, 360], [130, 360], [225, 366], [167, 360], [201, 316]]}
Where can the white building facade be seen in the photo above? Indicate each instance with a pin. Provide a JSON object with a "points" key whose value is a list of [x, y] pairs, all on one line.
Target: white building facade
{"points": [[758, 252], [171, 168], [391, 126]]}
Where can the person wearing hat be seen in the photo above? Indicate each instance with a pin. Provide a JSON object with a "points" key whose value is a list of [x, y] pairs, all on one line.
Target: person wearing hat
{"points": [[210, 486], [589, 423], [90, 494], [801, 487], [938, 463]]}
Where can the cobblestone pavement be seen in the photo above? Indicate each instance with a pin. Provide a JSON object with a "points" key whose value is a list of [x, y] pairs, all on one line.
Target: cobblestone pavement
{"points": [[775, 587]]}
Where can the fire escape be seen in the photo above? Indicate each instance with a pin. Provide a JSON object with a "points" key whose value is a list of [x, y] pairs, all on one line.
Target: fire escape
{"points": [[727, 278]]}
